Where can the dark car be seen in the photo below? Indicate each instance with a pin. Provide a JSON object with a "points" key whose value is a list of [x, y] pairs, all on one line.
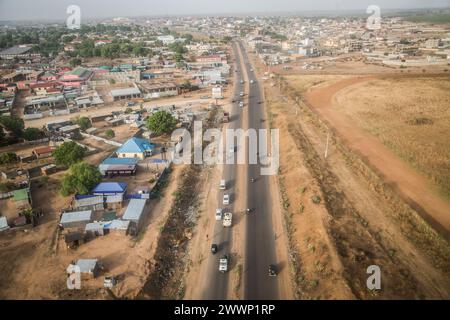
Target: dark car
{"points": [[272, 271], [214, 248]]}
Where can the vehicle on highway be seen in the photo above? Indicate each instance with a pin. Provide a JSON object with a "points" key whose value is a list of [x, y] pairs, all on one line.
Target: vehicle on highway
{"points": [[226, 199], [223, 264], [241, 104], [252, 179], [272, 271], [214, 248], [218, 214], [227, 219], [241, 94], [226, 117], [223, 184]]}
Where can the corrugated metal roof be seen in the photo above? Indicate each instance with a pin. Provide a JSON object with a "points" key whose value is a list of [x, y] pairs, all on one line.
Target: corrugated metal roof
{"points": [[110, 187], [91, 201], [122, 161], [117, 225], [76, 216], [87, 265], [3, 224], [134, 210], [125, 92]]}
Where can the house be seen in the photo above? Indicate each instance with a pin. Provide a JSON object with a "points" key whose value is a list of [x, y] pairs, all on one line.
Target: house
{"points": [[110, 188], [3, 224], [22, 199], [88, 202], [76, 219], [48, 169], [87, 267], [76, 77], [159, 89], [135, 148], [117, 225], [43, 152], [95, 229], [134, 214], [125, 93], [74, 239], [118, 166]]}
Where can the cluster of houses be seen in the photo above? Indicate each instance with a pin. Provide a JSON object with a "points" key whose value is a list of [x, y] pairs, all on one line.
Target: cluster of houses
{"points": [[100, 212]]}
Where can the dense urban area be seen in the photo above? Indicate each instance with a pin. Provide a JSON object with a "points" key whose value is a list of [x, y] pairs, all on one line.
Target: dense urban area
{"points": [[91, 119]]}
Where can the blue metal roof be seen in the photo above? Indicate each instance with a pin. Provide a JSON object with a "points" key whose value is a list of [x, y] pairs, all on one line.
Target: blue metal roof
{"points": [[110, 187], [136, 145], [121, 161]]}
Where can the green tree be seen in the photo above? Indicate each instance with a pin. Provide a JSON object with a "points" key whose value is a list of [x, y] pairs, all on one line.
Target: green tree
{"points": [[75, 62], [31, 134], [13, 124], [68, 154], [8, 157], [84, 123], [161, 122], [81, 179], [110, 133]]}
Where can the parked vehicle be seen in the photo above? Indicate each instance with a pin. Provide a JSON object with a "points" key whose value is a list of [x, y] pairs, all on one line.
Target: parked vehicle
{"points": [[242, 81], [241, 94], [251, 81], [226, 117], [226, 199], [223, 184], [218, 214], [214, 248], [223, 264], [227, 219], [241, 104]]}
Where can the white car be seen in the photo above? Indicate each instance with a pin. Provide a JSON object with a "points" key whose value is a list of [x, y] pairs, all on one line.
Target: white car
{"points": [[223, 184], [218, 214], [251, 70], [226, 199], [241, 94], [241, 104], [223, 264], [242, 81], [251, 81]]}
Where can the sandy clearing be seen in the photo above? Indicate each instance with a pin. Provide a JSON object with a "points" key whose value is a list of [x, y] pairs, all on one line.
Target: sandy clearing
{"points": [[410, 183]]}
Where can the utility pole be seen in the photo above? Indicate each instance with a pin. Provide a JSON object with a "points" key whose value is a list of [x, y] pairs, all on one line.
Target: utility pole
{"points": [[326, 147]]}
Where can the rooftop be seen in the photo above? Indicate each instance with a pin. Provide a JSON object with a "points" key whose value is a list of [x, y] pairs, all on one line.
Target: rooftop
{"points": [[136, 145], [76, 216], [110, 187], [125, 92], [134, 209], [16, 50]]}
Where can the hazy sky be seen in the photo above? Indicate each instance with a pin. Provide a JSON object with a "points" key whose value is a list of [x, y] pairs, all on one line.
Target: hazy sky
{"points": [[56, 9]]}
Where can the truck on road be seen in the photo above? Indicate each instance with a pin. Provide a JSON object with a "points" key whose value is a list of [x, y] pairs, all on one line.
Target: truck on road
{"points": [[227, 219]]}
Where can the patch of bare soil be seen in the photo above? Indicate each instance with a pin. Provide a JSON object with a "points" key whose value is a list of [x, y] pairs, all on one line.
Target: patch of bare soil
{"points": [[343, 219]]}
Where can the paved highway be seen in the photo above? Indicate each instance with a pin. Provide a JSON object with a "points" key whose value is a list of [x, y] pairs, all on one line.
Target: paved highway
{"points": [[259, 246]]}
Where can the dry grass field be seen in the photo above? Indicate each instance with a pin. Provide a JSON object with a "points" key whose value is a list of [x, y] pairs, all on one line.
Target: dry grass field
{"points": [[411, 116]]}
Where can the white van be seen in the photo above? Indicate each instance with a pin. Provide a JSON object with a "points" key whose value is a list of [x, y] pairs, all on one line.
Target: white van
{"points": [[223, 185]]}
